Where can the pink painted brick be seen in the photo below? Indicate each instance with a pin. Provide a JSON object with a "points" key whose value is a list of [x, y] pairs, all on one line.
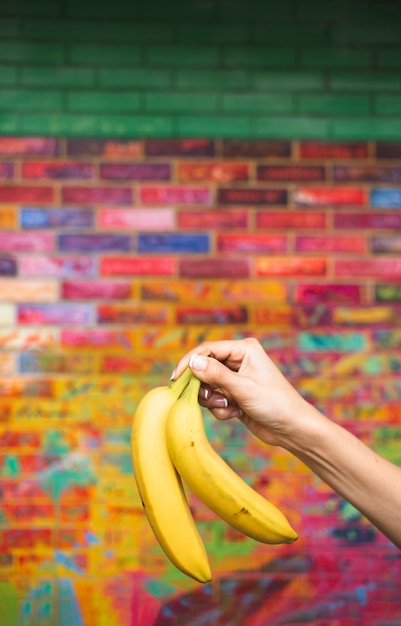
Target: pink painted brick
{"points": [[251, 243], [251, 195], [333, 150], [290, 219], [213, 172], [235, 218], [133, 266], [95, 290], [28, 146], [58, 314], [330, 196], [57, 170], [156, 195], [137, 219], [291, 266], [331, 243], [26, 242], [312, 293], [97, 195], [382, 220], [214, 268], [57, 266], [26, 195], [384, 268], [97, 338]]}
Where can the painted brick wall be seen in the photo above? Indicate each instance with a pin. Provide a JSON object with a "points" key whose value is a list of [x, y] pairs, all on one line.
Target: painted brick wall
{"points": [[206, 68], [117, 256]]}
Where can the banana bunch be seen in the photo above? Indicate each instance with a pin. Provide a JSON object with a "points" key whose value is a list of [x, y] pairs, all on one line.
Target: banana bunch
{"points": [[169, 445]]}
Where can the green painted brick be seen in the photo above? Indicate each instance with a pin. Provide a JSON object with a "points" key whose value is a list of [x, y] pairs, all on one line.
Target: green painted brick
{"points": [[183, 55], [178, 11], [238, 10], [30, 52], [136, 78], [181, 102], [57, 30], [97, 125], [218, 80], [30, 100], [343, 10], [333, 104], [366, 81], [103, 101], [259, 56], [100, 9], [368, 128], [8, 75], [371, 33], [9, 28], [257, 103], [29, 8], [288, 81], [213, 126], [335, 57], [105, 54], [136, 32], [9, 123], [387, 105], [290, 34], [390, 57], [290, 127], [213, 33], [57, 77]]}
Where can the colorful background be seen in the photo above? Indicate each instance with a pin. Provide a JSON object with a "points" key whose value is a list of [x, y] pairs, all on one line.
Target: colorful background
{"points": [[170, 172]]}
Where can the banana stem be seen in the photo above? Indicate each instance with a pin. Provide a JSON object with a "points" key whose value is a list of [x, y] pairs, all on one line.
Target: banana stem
{"points": [[181, 383], [192, 389]]}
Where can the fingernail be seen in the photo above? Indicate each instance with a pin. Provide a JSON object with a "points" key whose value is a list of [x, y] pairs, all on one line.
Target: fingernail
{"points": [[221, 403], [204, 393], [237, 413], [173, 375], [197, 362]]}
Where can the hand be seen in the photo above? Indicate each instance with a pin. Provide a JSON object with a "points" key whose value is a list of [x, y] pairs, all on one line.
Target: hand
{"points": [[240, 380]]}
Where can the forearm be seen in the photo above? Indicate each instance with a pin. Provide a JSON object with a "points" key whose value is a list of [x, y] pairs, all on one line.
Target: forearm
{"points": [[366, 480]]}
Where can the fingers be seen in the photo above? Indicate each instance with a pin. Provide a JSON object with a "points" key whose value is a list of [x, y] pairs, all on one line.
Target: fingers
{"points": [[224, 351], [218, 403]]}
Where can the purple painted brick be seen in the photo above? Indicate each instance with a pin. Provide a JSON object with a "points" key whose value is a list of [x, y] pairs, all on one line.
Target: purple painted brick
{"points": [[26, 242], [8, 266], [57, 266], [60, 314], [6, 170], [386, 244], [94, 243], [135, 171], [57, 170]]}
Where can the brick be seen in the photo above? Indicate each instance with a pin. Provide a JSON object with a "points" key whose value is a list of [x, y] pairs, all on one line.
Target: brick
{"points": [[290, 219], [57, 170], [57, 266], [111, 148], [135, 78], [291, 127], [8, 366], [8, 265], [135, 171], [131, 266], [40, 76], [180, 147], [329, 196], [304, 80], [331, 244], [8, 217], [387, 104], [213, 33], [333, 150], [6, 171], [387, 293], [219, 172], [174, 103], [387, 150], [253, 291], [182, 55], [257, 103], [214, 268], [369, 32], [368, 81], [97, 195], [390, 198], [31, 52], [26, 242], [332, 341], [132, 314], [27, 339], [25, 388], [367, 173], [212, 79], [178, 291], [290, 266], [95, 338], [385, 244], [137, 219], [175, 195], [138, 32], [22, 290], [105, 55], [214, 315], [252, 196], [290, 172], [59, 363], [7, 314], [259, 56], [385, 268], [333, 104], [256, 148], [26, 194], [229, 218], [94, 242], [312, 293], [371, 315], [173, 243], [214, 125], [384, 220], [370, 128], [335, 57], [251, 243], [36, 217], [59, 314]]}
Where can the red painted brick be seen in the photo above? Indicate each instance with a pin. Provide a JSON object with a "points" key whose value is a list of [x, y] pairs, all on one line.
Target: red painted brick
{"points": [[98, 338], [256, 148], [132, 266], [328, 243], [135, 171], [251, 243], [312, 293], [219, 172], [28, 146], [381, 220], [95, 290], [108, 148], [26, 195], [333, 150], [330, 196], [137, 219], [384, 268], [235, 218], [179, 147], [214, 268], [248, 195], [212, 315], [369, 173], [57, 266], [290, 266], [26, 242], [133, 314], [291, 172], [175, 195], [57, 170], [290, 219], [97, 195]]}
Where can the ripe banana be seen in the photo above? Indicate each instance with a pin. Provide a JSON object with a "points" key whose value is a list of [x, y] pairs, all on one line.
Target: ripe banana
{"points": [[159, 485], [213, 481]]}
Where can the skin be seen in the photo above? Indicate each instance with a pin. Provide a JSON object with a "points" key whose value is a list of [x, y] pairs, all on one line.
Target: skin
{"points": [[239, 380]]}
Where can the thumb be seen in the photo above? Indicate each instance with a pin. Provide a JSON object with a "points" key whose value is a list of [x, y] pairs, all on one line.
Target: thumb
{"points": [[211, 371]]}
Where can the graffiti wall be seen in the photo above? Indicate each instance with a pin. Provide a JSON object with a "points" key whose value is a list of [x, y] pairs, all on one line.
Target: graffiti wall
{"points": [[117, 256]]}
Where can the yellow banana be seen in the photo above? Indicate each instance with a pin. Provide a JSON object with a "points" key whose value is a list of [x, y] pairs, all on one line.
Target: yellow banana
{"points": [[213, 481], [160, 486]]}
